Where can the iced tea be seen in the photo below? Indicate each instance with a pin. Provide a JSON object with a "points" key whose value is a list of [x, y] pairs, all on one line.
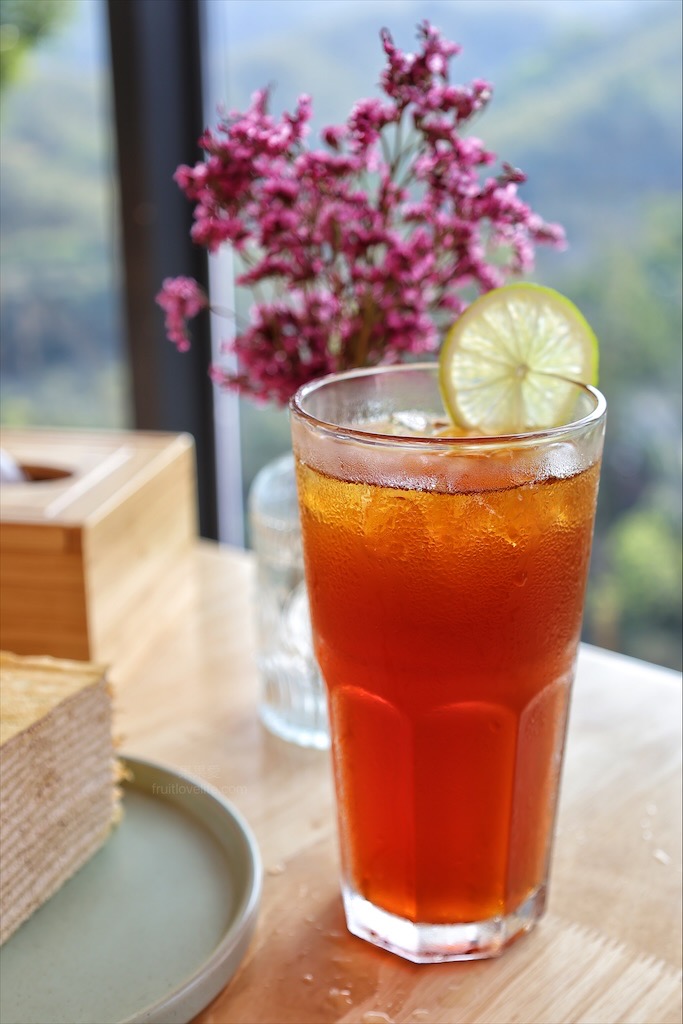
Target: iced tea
{"points": [[446, 590]]}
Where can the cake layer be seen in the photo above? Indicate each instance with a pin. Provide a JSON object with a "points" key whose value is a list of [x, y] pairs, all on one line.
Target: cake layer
{"points": [[33, 686], [58, 794]]}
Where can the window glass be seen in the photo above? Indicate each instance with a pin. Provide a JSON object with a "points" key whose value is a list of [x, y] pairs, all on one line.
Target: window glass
{"points": [[62, 358], [587, 101]]}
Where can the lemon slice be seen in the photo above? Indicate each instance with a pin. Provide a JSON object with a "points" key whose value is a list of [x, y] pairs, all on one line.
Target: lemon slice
{"points": [[508, 363]]}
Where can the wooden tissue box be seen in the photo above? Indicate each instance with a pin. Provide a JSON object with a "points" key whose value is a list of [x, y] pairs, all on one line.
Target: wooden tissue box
{"points": [[94, 540]]}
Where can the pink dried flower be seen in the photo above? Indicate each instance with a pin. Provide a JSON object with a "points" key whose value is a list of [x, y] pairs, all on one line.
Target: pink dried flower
{"points": [[367, 245], [181, 298]]}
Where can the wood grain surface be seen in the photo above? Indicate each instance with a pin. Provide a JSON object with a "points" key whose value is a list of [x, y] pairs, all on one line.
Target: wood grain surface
{"points": [[609, 948]]}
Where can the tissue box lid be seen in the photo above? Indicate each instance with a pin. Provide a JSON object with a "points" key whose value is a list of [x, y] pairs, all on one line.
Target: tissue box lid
{"points": [[77, 478]]}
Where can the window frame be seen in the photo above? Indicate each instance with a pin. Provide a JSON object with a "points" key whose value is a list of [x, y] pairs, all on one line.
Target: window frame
{"points": [[159, 114]]}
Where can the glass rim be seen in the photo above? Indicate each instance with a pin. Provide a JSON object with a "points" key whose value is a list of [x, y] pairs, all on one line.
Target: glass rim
{"points": [[378, 437]]}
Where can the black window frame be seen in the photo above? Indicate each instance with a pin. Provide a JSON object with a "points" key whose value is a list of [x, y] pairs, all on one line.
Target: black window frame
{"points": [[156, 63]]}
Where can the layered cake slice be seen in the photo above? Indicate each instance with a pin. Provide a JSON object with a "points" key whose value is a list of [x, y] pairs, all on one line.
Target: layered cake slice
{"points": [[58, 772]]}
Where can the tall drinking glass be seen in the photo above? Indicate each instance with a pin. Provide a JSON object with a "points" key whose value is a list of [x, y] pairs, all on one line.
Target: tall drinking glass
{"points": [[446, 579]]}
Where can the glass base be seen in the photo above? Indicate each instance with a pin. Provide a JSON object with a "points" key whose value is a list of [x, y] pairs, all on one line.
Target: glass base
{"points": [[293, 702], [435, 943], [294, 705], [301, 721]]}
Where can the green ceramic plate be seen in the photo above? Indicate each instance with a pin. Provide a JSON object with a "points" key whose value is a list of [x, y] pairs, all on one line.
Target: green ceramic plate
{"points": [[150, 929]]}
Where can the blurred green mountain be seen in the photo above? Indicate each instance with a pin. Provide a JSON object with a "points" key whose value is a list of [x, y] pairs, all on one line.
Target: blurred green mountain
{"points": [[60, 341]]}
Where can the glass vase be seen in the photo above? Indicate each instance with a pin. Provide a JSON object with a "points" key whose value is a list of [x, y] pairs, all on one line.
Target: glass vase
{"points": [[293, 703]]}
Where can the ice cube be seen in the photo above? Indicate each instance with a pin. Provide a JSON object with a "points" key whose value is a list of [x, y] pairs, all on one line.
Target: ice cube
{"points": [[412, 420], [561, 460]]}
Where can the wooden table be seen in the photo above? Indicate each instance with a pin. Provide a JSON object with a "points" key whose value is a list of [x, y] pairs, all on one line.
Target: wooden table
{"points": [[609, 948]]}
